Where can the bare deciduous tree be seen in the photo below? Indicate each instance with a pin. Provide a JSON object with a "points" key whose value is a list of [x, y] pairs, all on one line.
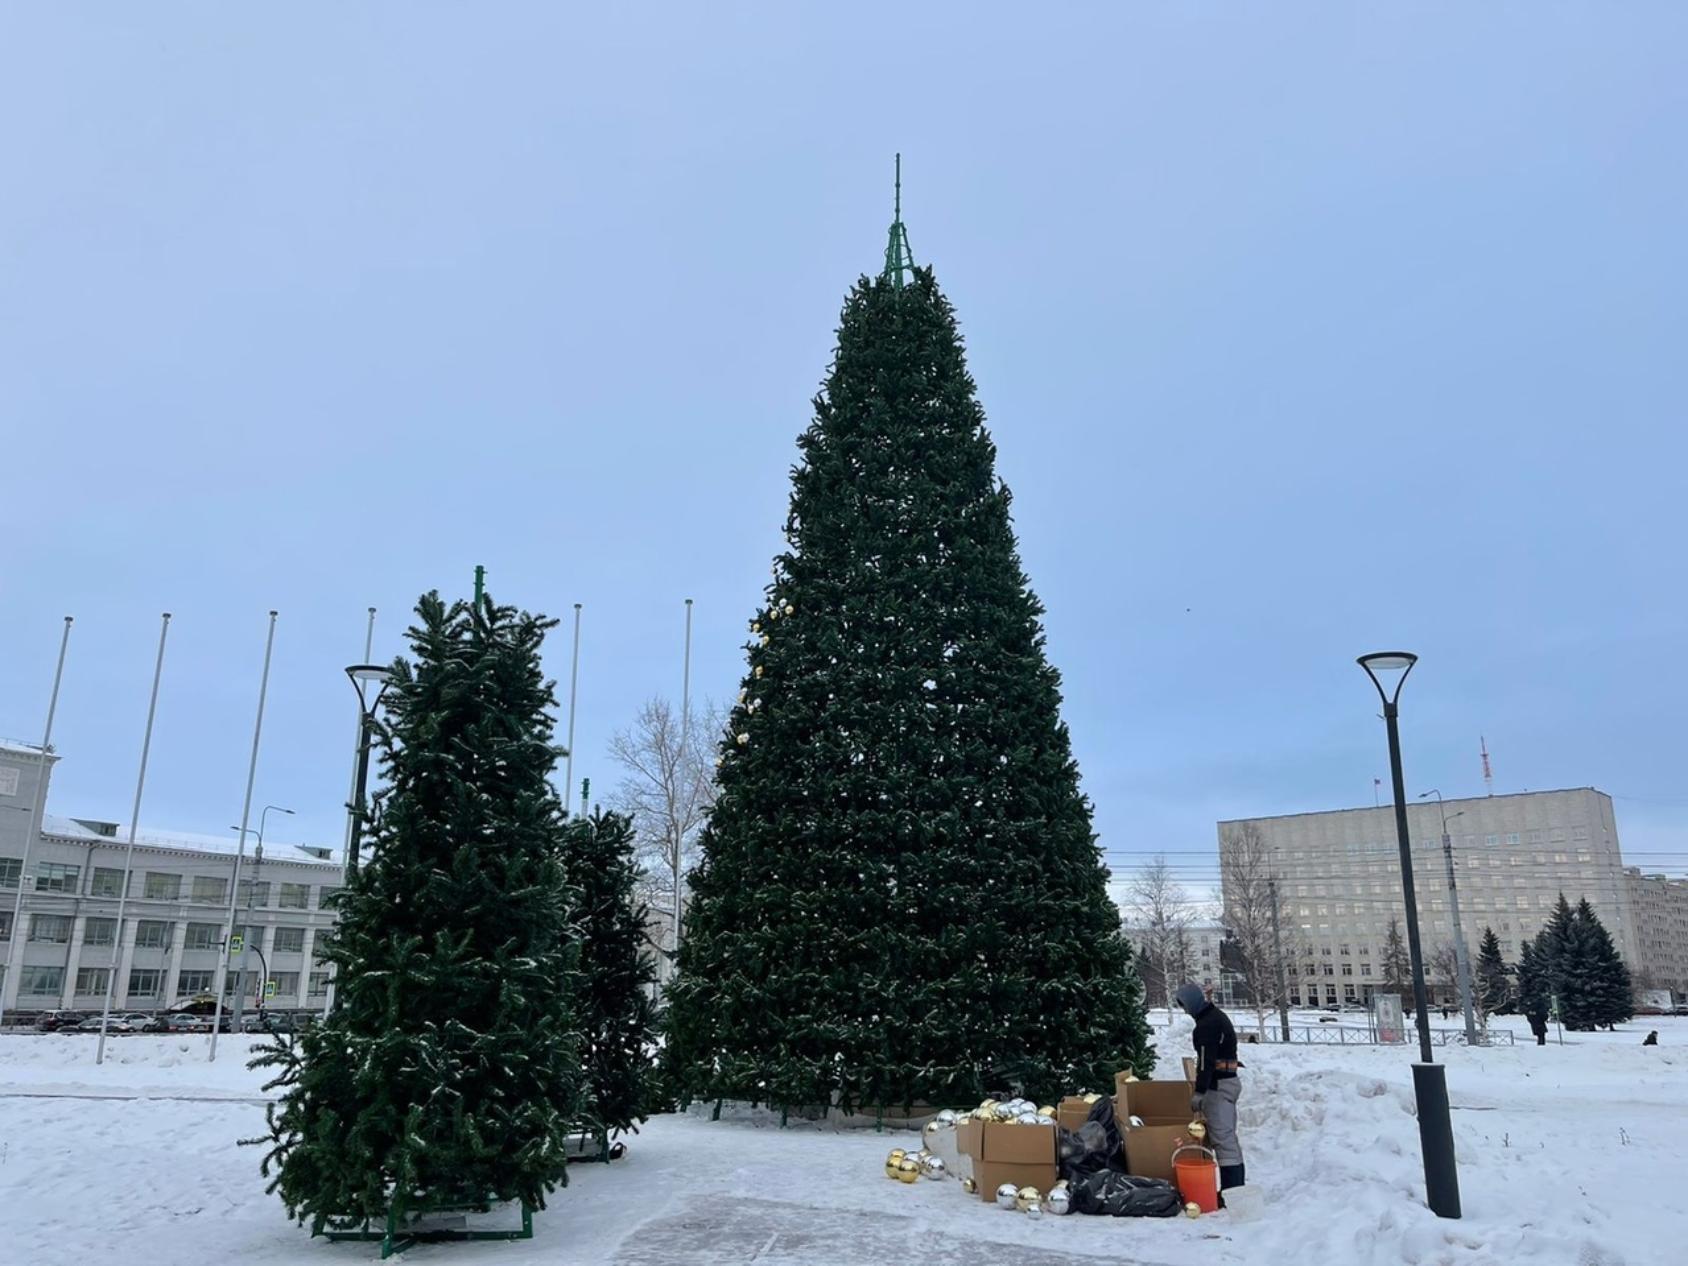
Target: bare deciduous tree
{"points": [[1158, 908], [669, 788], [1245, 873]]}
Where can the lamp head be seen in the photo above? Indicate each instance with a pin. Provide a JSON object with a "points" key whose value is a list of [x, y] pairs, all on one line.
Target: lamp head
{"points": [[1388, 671], [363, 676]]}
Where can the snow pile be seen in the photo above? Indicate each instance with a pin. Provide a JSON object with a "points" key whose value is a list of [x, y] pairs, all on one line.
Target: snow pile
{"points": [[1568, 1156]]}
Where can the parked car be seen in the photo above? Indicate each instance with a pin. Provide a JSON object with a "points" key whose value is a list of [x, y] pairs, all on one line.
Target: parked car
{"points": [[57, 1021], [117, 1024], [145, 1022], [186, 1022], [273, 1022]]}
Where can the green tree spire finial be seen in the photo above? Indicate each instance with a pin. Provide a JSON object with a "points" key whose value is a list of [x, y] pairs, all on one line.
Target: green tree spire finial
{"points": [[899, 258]]}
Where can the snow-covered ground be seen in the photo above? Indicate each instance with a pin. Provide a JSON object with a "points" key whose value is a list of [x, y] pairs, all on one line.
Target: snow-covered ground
{"points": [[1568, 1154]]}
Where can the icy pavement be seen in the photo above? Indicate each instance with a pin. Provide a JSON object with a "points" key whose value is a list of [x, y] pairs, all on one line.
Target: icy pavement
{"points": [[1569, 1156]]}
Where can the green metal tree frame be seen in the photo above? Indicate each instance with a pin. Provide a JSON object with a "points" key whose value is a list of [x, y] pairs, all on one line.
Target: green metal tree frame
{"points": [[899, 258]]}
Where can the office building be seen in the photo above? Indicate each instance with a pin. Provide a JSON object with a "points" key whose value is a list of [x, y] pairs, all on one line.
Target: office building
{"points": [[175, 916], [1660, 906], [1339, 881]]}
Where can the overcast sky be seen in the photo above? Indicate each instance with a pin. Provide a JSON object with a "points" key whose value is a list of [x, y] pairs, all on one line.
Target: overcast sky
{"points": [[1301, 333]]}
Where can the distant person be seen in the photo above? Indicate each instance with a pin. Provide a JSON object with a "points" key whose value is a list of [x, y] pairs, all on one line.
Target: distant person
{"points": [[1447, 1013], [1217, 1085], [1652, 1038], [1538, 1025]]}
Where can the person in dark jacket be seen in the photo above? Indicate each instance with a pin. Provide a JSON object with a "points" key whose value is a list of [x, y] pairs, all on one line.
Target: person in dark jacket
{"points": [[1217, 1086], [1538, 1026], [1652, 1038]]}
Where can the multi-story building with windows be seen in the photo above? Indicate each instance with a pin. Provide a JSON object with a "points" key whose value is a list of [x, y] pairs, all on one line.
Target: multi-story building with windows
{"points": [[1339, 881], [1660, 906], [67, 941], [1202, 941]]}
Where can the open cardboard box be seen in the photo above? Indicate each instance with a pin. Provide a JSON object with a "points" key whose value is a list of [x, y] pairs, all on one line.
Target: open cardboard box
{"points": [[1072, 1112], [1003, 1151], [1164, 1107]]}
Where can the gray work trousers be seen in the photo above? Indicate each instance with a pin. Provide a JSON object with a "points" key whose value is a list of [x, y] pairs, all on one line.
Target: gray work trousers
{"points": [[1219, 1108]]}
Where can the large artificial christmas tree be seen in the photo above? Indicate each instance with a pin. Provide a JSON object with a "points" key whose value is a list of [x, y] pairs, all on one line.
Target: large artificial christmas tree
{"points": [[448, 1072], [1610, 992], [1494, 982], [613, 1005], [900, 897]]}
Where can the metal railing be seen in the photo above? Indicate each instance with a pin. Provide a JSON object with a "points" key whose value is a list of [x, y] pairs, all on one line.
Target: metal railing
{"points": [[1365, 1035]]}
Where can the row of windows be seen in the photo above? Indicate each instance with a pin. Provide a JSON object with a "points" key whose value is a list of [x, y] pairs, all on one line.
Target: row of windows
{"points": [[57, 929], [164, 886], [148, 982]]}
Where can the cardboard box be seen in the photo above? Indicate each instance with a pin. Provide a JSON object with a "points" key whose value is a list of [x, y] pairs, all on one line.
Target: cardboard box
{"points": [[1071, 1112], [1002, 1151], [1164, 1107]]}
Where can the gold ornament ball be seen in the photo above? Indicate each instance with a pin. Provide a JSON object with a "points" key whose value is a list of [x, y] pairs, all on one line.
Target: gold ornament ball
{"points": [[755, 627], [908, 1170], [758, 670], [765, 639], [743, 739], [1046, 1112], [742, 695], [1092, 1097], [790, 610], [970, 1186], [987, 1104], [1130, 1076], [1198, 1131], [1192, 1210], [1026, 1198]]}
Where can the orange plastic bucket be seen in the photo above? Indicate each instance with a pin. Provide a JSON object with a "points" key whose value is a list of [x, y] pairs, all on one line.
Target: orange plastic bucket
{"points": [[1197, 1176]]}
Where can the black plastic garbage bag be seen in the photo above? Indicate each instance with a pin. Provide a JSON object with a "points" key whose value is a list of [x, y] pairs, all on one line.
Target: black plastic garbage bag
{"points": [[1124, 1196], [1094, 1146]]}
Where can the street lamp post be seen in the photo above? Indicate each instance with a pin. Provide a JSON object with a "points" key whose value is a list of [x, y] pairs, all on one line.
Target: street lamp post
{"points": [[1430, 1082], [1462, 958], [251, 893], [370, 681]]}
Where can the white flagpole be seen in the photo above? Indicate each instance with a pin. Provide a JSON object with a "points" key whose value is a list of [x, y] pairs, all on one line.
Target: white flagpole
{"points": [[129, 853], [684, 771], [36, 814], [574, 682], [240, 849]]}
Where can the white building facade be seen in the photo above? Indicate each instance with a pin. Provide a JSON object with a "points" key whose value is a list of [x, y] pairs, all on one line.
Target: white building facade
{"points": [[1339, 881], [66, 944]]}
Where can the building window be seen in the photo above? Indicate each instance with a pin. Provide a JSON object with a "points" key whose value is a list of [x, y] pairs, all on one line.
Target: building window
{"points": [[286, 984], [1556, 835], [1489, 841], [1348, 993], [1348, 969], [318, 984], [326, 894], [41, 982], [210, 890], [1329, 970], [162, 887], [53, 928], [10, 869], [1365, 968], [1295, 997], [146, 982], [204, 936], [57, 877], [294, 897], [153, 934], [292, 941], [91, 982], [99, 932], [1512, 839], [108, 882], [192, 983], [5, 930], [1579, 833], [254, 892], [1330, 993]]}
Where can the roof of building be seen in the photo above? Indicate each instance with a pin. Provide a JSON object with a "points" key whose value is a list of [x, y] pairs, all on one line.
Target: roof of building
{"points": [[17, 747], [185, 841], [1390, 808]]}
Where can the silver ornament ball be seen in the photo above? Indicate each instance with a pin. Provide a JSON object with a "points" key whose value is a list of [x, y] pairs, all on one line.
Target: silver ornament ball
{"points": [[934, 1168], [1006, 1195], [1059, 1202]]}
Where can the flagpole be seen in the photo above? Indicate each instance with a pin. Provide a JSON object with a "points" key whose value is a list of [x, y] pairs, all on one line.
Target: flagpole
{"points": [[37, 813], [240, 848], [574, 682], [129, 852], [683, 771]]}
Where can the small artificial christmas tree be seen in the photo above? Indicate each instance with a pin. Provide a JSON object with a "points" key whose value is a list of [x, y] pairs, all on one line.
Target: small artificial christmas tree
{"points": [[613, 1006], [900, 898], [1494, 983], [1611, 993], [448, 1073], [1397, 965]]}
